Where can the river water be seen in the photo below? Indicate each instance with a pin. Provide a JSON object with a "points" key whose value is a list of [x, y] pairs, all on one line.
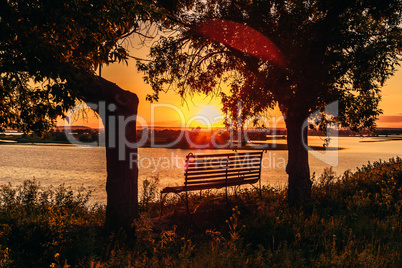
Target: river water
{"points": [[84, 166]]}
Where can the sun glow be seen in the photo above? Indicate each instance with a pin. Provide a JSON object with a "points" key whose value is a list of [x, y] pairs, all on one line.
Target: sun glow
{"points": [[207, 116]]}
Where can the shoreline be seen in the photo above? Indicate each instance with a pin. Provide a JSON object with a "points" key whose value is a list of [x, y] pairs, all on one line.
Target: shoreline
{"points": [[253, 145], [250, 147]]}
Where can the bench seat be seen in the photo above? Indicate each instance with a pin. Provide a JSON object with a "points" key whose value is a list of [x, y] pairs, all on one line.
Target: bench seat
{"points": [[205, 186]]}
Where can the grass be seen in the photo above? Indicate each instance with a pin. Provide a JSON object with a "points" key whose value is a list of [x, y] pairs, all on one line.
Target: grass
{"points": [[352, 220]]}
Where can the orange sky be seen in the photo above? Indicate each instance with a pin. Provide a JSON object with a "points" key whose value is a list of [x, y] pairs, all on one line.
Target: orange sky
{"points": [[391, 102], [128, 78], [171, 111]]}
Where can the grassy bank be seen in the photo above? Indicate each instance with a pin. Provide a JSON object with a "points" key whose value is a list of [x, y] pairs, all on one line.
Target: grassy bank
{"points": [[351, 221]]}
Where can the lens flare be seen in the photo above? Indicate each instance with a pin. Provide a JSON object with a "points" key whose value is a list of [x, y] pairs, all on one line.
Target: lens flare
{"points": [[240, 37]]}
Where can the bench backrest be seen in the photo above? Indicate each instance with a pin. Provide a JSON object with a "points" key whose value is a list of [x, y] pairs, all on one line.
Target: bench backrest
{"points": [[225, 169]]}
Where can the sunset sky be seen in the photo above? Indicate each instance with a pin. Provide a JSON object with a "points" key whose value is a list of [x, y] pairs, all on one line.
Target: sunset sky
{"points": [[171, 111]]}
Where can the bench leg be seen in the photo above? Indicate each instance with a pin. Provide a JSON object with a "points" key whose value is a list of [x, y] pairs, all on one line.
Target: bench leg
{"points": [[188, 210], [181, 197]]}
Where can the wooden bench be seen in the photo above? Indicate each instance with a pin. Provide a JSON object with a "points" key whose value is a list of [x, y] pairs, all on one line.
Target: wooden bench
{"points": [[214, 171]]}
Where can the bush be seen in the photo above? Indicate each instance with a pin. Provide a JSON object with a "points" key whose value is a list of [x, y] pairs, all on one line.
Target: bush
{"points": [[36, 224], [352, 220]]}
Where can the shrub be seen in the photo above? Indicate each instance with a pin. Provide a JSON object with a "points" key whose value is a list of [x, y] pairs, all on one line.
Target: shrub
{"points": [[352, 220]]}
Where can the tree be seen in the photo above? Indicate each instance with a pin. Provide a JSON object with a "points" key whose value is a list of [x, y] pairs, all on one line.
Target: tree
{"points": [[49, 51], [298, 54]]}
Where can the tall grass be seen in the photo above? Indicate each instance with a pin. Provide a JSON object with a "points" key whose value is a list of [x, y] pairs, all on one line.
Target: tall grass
{"points": [[352, 220], [38, 224]]}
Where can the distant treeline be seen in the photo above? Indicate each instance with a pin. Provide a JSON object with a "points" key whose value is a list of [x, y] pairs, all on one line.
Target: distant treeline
{"points": [[55, 136], [174, 138]]}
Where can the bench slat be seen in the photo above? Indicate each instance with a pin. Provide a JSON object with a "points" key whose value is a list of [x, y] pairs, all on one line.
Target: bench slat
{"points": [[224, 159], [222, 165], [229, 176], [179, 189], [223, 155], [195, 172], [229, 181], [202, 169]]}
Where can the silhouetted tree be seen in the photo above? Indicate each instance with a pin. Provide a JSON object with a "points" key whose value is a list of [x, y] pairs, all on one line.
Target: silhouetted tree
{"points": [[298, 54], [49, 51]]}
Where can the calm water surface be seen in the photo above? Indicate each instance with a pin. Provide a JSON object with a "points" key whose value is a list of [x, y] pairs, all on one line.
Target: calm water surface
{"points": [[76, 167]]}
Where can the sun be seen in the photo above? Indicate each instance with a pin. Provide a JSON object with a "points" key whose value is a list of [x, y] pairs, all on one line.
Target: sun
{"points": [[207, 116]]}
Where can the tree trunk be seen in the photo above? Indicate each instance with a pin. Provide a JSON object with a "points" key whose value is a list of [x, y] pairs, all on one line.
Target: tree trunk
{"points": [[299, 183], [118, 110]]}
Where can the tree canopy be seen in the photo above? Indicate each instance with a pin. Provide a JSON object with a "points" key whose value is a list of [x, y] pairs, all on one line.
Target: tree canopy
{"points": [[301, 55], [49, 51], [333, 50]]}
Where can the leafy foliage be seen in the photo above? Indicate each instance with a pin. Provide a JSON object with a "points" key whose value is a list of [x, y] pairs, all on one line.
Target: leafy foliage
{"points": [[333, 50], [49, 51]]}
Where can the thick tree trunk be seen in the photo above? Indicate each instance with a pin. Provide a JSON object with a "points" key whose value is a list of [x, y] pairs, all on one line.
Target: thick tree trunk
{"points": [[299, 184], [118, 110]]}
